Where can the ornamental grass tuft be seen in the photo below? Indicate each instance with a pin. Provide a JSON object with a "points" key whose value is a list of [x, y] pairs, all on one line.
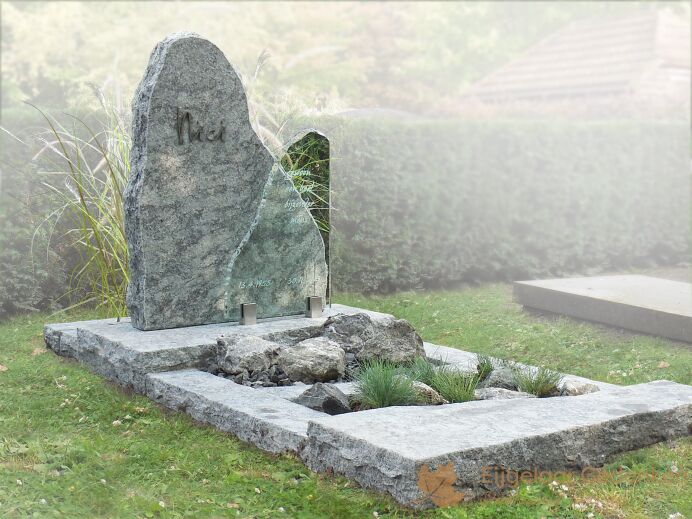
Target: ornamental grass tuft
{"points": [[541, 382], [454, 385], [421, 370], [484, 366], [380, 384]]}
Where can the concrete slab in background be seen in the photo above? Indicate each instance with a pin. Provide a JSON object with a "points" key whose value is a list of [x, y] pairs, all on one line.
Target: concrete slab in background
{"points": [[645, 304]]}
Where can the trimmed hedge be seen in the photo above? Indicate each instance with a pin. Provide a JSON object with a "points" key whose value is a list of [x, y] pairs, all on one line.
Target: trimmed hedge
{"points": [[429, 204]]}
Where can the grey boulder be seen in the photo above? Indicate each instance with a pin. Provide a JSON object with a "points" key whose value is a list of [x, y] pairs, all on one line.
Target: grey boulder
{"points": [[246, 353], [325, 398], [498, 393], [502, 377], [425, 395], [576, 388], [371, 337], [313, 360]]}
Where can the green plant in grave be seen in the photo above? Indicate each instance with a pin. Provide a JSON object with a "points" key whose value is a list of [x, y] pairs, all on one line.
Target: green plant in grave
{"points": [[541, 382], [421, 369], [484, 366], [381, 384], [454, 385], [92, 168]]}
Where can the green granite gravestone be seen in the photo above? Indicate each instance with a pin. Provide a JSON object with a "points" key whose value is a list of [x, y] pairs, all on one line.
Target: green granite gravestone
{"points": [[211, 220], [283, 236]]}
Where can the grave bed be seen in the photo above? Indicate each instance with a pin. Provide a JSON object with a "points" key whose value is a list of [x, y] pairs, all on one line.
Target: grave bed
{"points": [[422, 455]]}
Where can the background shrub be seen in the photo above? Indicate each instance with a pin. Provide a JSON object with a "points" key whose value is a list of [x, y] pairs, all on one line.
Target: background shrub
{"points": [[32, 273], [465, 201], [502, 199]]}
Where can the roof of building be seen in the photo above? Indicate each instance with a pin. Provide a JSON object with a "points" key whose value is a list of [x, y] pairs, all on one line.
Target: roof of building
{"points": [[591, 57]]}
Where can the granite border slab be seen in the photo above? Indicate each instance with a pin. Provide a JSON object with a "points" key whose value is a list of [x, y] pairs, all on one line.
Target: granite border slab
{"points": [[382, 448]]}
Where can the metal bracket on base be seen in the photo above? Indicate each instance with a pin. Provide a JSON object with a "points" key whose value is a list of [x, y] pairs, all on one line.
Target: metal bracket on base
{"points": [[248, 313], [314, 307]]}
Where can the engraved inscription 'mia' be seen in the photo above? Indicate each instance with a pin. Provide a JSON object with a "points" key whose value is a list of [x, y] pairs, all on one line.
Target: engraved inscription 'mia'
{"points": [[195, 131]]}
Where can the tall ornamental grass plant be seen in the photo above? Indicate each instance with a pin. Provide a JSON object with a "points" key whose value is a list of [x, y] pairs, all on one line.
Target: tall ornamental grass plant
{"points": [[85, 166], [87, 173]]}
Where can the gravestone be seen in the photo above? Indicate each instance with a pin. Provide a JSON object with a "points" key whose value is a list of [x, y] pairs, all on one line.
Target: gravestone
{"points": [[211, 220], [286, 233]]}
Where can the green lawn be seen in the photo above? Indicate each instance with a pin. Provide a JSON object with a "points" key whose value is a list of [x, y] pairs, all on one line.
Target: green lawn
{"points": [[73, 445]]}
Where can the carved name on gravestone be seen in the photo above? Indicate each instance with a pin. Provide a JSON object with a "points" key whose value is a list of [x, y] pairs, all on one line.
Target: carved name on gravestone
{"points": [[211, 221]]}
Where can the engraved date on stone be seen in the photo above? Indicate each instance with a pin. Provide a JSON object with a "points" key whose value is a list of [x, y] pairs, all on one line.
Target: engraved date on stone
{"points": [[297, 220], [254, 283], [295, 281], [195, 131]]}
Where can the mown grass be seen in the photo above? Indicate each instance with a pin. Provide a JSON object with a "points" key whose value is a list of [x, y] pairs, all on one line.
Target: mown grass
{"points": [[58, 438]]}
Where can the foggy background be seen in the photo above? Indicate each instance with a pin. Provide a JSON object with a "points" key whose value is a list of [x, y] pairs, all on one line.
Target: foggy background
{"points": [[469, 142]]}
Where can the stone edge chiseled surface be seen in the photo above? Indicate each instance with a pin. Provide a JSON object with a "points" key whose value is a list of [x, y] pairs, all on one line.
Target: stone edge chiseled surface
{"points": [[271, 423], [576, 436]]}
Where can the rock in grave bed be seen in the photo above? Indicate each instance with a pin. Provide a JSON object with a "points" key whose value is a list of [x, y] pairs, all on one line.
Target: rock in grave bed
{"points": [[577, 387], [498, 393], [343, 341], [369, 337], [313, 360], [502, 377], [326, 398]]}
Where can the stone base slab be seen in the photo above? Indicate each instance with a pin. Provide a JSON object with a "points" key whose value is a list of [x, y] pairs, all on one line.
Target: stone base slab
{"points": [[399, 450], [120, 352], [269, 422]]}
